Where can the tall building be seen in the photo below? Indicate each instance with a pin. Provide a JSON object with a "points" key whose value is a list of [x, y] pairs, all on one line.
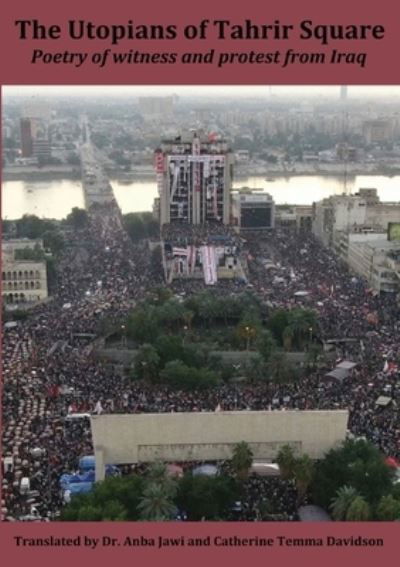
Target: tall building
{"points": [[194, 177], [26, 137]]}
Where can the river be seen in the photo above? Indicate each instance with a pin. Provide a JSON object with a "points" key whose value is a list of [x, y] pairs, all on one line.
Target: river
{"points": [[55, 199]]}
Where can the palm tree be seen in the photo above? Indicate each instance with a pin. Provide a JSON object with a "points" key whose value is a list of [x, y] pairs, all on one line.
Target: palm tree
{"points": [[388, 509], [342, 501], [303, 474], [187, 317], [287, 337], [158, 474], [155, 504], [303, 322], [242, 459], [286, 461], [359, 510]]}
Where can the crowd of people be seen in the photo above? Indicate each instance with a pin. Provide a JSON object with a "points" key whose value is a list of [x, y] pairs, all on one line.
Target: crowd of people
{"points": [[49, 370]]}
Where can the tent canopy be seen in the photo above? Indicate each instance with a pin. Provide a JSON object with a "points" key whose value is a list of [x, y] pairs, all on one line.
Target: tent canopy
{"points": [[338, 374], [347, 364]]}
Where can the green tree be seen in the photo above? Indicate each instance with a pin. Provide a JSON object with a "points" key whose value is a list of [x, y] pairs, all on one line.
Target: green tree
{"points": [[161, 295], [155, 504], [359, 510], [357, 463], [77, 218], [388, 509], [342, 501], [266, 344], [115, 498], [286, 460], [303, 475], [142, 325], [170, 347], [242, 459], [147, 363], [277, 323], [54, 241], [303, 322], [206, 497], [179, 375], [280, 369], [31, 226]]}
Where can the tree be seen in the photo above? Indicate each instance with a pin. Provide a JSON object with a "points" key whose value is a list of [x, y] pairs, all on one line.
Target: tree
{"points": [[206, 497], [114, 499], [53, 240], [266, 344], [342, 501], [359, 510], [388, 509], [249, 328], [142, 325], [277, 323], [303, 475], [286, 461], [158, 474], [242, 459], [314, 353], [31, 226], [356, 463], [179, 375], [303, 322], [280, 370], [170, 347], [155, 504], [147, 363], [161, 295], [77, 218]]}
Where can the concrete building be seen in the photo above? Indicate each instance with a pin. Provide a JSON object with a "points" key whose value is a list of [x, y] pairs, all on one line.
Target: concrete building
{"points": [[347, 213], [378, 131], [194, 177], [298, 217], [26, 137], [253, 210], [200, 436], [372, 259], [22, 280]]}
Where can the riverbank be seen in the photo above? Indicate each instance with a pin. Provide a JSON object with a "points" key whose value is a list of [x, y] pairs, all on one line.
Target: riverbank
{"points": [[147, 174]]}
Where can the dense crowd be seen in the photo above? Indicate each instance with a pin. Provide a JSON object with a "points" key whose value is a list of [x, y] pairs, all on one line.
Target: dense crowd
{"points": [[50, 372]]}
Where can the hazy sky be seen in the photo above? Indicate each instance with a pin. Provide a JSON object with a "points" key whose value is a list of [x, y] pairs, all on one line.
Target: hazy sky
{"points": [[201, 90]]}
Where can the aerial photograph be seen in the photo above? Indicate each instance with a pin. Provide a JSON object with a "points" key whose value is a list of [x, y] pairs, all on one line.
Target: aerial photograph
{"points": [[201, 304]]}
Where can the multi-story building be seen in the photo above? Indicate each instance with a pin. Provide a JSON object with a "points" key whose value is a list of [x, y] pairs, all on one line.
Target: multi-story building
{"points": [[348, 213], [252, 210], [194, 177], [26, 137], [371, 259], [23, 280], [378, 131]]}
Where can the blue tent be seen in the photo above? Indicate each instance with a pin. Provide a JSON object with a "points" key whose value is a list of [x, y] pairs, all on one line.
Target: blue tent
{"points": [[80, 487], [87, 463]]}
